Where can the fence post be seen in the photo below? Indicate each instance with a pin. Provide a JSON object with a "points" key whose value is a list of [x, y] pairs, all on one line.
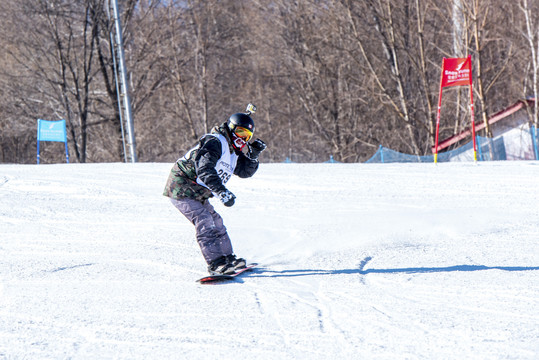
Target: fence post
{"points": [[534, 141], [479, 145]]}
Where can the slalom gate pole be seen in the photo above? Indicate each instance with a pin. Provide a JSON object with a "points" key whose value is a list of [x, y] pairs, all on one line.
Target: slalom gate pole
{"points": [[437, 129], [438, 114], [473, 122]]}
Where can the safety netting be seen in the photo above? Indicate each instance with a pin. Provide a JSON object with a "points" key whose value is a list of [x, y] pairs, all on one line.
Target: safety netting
{"points": [[487, 149]]}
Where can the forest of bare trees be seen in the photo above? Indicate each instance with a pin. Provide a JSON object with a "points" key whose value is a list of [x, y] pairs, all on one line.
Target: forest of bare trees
{"points": [[329, 77]]}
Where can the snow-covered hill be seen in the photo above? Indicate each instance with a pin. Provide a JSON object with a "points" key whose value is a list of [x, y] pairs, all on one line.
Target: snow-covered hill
{"points": [[395, 261]]}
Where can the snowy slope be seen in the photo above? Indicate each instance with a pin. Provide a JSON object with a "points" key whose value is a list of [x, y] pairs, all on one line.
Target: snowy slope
{"points": [[395, 261]]}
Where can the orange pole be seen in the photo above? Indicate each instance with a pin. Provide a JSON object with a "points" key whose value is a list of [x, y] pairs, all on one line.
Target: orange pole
{"points": [[472, 111]]}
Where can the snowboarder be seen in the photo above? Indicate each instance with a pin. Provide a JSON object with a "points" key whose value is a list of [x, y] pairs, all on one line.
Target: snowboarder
{"points": [[202, 173]]}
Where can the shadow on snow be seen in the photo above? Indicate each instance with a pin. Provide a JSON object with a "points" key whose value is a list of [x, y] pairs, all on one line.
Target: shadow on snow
{"points": [[362, 271]]}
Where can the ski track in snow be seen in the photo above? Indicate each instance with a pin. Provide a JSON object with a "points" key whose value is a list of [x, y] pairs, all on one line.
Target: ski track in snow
{"points": [[395, 261]]}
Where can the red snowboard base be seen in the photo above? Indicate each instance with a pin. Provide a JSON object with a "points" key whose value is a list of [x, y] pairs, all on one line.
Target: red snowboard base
{"points": [[219, 278]]}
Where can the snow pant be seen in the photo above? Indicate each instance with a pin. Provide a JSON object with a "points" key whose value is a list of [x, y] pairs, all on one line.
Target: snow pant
{"points": [[211, 233]]}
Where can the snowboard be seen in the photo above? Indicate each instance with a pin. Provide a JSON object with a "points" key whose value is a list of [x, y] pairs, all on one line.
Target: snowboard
{"points": [[211, 279]]}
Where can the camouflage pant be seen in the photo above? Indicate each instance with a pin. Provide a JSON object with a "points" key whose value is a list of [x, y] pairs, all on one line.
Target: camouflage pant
{"points": [[210, 231]]}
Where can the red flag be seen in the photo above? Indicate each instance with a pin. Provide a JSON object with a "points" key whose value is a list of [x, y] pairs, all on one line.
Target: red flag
{"points": [[457, 71]]}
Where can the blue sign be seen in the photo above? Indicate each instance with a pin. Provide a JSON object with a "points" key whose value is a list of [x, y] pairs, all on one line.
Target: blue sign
{"points": [[51, 131]]}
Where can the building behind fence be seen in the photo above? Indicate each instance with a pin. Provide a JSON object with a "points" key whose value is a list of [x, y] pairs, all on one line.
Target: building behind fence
{"points": [[513, 139]]}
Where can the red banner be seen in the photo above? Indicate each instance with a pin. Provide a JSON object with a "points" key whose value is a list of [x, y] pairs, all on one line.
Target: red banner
{"points": [[457, 71]]}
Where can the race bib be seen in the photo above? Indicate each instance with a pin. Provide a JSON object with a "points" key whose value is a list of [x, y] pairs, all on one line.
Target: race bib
{"points": [[227, 162]]}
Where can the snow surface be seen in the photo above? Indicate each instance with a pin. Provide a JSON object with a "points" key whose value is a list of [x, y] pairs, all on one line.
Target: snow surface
{"points": [[360, 261]]}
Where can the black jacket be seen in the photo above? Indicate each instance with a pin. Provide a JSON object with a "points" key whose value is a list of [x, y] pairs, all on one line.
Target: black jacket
{"points": [[201, 164]]}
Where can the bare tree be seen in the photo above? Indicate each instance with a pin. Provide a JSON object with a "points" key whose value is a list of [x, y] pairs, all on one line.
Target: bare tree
{"points": [[58, 49], [486, 25], [330, 77], [395, 48], [532, 37]]}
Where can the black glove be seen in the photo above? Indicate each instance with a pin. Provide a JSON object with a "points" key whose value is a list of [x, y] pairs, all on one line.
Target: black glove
{"points": [[227, 198], [256, 148]]}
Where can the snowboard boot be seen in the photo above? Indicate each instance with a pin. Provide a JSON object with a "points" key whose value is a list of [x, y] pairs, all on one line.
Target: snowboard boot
{"points": [[238, 263], [221, 266]]}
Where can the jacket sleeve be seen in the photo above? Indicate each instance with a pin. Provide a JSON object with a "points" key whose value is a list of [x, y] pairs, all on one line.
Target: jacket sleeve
{"points": [[205, 162], [245, 167]]}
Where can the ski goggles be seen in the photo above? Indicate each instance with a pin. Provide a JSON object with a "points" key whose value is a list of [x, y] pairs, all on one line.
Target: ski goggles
{"points": [[243, 133]]}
